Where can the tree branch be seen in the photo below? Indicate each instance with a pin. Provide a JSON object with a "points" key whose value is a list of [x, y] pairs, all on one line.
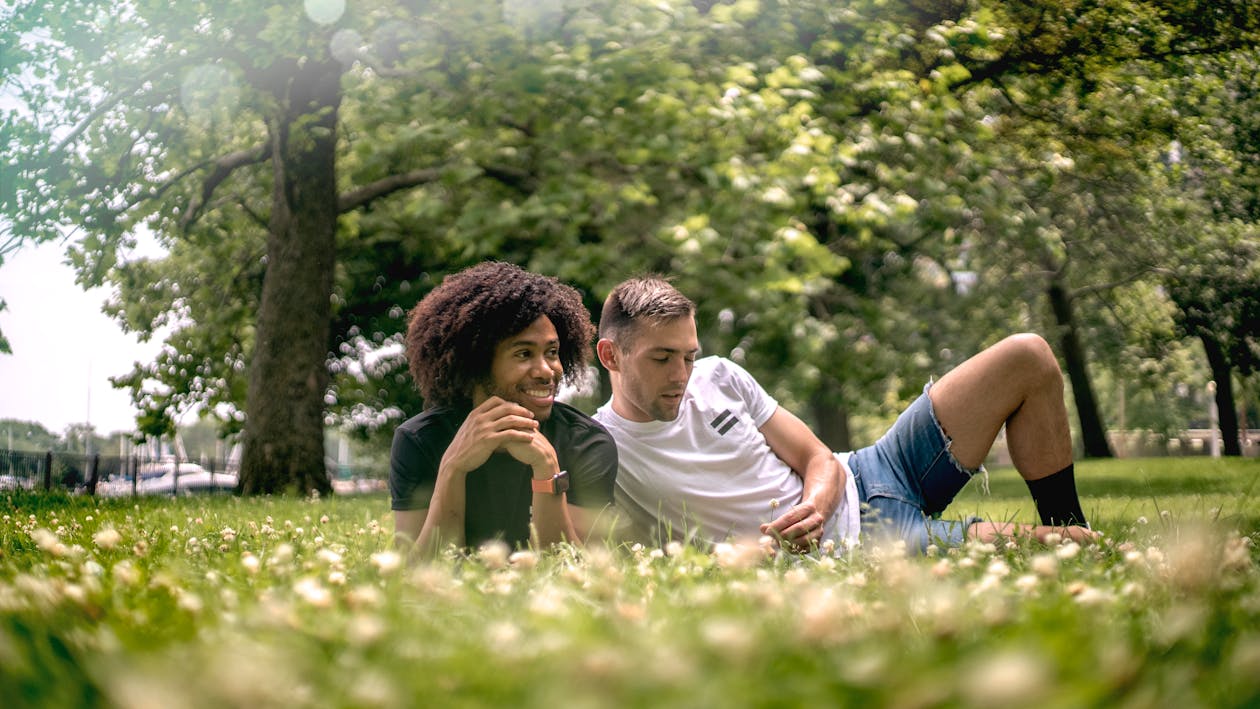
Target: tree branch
{"points": [[371, 192], [1102, 287], [515, 178], [113, 99], [223, 167], [360, 197]]}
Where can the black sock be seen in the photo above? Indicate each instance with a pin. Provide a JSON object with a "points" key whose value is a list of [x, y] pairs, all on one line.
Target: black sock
{"points": [[1056, 500]]}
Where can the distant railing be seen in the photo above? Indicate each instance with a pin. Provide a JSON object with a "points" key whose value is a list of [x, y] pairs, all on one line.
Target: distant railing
{"points": [[115, 476]]}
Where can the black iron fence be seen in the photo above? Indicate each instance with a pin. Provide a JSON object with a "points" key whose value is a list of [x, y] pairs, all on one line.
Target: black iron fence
{"points": [[116, 476]]}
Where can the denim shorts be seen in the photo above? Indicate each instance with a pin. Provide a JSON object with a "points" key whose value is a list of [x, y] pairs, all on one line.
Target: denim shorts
{"points": [[908, 478]]}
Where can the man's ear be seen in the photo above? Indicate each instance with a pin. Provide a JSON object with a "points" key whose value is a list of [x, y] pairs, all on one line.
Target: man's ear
{"points": [[607, 353]]}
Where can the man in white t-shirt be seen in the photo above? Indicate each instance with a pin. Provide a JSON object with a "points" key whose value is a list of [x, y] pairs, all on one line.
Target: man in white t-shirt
{"points": [[706, 454]]}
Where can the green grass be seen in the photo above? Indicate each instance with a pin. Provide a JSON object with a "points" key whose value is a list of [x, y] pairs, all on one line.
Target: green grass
{"points": [[1124, 491], [272, 602]]}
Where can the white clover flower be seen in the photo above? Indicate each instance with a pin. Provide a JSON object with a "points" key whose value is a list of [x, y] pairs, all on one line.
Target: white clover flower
{"points": [[737, 556], [674, 548], [1068, 550], [1090, 596], [282, 554], [524, 559], [1009, 679], [494, 554], [977, 549], [227, 534], [1026, 583], [998, 569], [774, 503], [328, 556], [364, 597], [365, 629], [190, 602], [337, 578], [1053, 539], [502, 634], [125, 573], [548, 601], [250, 562], [323, 519], [310, 590], [48, 542], [1045, 564], [107, 538], [387, 562], [796, 576], [1142, 520]]}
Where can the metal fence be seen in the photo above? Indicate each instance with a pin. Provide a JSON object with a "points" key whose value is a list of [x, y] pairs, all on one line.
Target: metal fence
{"points": [[79, 473], [116, 476]]}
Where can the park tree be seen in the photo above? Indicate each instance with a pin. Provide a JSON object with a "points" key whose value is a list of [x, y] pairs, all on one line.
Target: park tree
{"points": [[157, 113], [240, 134], [1213, 172], [819, 177], [894, 150]]}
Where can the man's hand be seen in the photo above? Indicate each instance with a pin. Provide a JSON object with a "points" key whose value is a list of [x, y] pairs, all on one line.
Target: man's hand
{"points": [[801, 527], [496, 424]]}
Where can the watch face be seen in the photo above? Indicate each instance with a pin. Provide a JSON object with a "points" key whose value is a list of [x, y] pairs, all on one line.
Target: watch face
{"points": [[554, 485]]}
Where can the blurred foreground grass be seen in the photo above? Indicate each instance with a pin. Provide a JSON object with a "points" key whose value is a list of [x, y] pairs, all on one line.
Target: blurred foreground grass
{"points": [[268, 602]]}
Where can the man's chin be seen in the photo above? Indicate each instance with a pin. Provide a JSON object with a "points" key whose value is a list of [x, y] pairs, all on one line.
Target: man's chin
{"points": [[667, 414]]}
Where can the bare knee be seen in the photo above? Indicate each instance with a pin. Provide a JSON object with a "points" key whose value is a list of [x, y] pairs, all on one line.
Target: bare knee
{"points": [[1034, 358]]}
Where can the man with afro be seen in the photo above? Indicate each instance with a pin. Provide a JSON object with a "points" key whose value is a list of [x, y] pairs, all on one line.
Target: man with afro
{"points": [[494, 455]]}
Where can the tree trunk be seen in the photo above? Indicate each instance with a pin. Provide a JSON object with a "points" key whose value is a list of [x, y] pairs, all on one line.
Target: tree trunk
{"points": [[830, 420], [1093, 432], [1221, 374], [284, 426]]}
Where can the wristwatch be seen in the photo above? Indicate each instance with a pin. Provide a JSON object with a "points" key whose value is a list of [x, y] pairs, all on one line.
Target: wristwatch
{"points": [[553, 485]]}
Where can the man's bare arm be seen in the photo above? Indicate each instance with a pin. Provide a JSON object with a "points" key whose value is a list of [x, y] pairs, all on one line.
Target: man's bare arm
{"points": [[822, 474]]}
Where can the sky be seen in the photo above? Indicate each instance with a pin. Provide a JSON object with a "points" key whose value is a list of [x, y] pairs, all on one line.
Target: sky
{"points": [[64, 348]]}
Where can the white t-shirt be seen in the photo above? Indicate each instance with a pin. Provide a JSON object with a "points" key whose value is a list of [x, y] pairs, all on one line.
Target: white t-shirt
{"points": [[709, 474]]}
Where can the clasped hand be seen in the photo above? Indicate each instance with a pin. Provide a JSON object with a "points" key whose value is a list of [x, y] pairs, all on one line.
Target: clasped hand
{"points": [[498, 425]]}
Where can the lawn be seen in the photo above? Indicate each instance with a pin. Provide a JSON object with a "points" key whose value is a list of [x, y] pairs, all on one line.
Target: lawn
{"points": [[279, 602]]}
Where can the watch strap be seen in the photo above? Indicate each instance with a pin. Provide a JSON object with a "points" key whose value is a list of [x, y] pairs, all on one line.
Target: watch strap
{"points": [[553, 485]]}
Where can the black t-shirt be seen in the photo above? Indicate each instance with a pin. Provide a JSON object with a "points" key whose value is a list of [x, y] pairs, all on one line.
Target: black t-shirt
{"points": [[497, 495]]}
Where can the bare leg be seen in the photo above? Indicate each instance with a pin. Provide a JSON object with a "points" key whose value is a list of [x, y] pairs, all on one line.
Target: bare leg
{"points": [[1016, 383], [992, 531]]}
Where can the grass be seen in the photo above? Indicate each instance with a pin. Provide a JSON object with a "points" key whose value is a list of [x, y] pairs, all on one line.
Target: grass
{"points": [[280, 602]]}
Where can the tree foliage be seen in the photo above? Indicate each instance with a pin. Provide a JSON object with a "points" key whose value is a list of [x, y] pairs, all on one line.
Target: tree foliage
{"points": [[856, 195]]}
